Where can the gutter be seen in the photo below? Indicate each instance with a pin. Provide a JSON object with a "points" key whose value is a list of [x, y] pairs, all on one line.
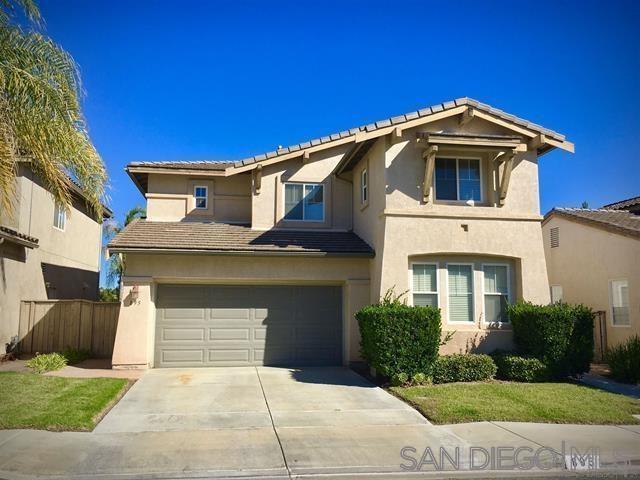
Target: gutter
{"points": [[241, 253]]}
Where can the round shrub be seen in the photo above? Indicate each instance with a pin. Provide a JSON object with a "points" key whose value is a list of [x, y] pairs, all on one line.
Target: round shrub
{"points": [[560, 335], [624, 360], [467, 367], [399, 379], [398, 338], [47, 362], [519, 368], [421, 379]]}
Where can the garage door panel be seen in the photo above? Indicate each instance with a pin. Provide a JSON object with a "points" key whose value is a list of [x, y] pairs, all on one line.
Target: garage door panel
{"points": [[248, 325], [229, 334], [182, 334]]}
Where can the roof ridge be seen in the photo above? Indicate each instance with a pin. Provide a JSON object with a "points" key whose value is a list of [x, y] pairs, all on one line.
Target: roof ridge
{"points": [[579, 209]]}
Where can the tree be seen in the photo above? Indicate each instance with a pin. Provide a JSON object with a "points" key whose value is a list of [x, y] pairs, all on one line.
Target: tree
{"points": [[110, 229], [41, 121], [585, 204]]}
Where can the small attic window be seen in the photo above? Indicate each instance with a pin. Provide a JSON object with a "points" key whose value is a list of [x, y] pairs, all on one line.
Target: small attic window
{"points": [[554, 237]]}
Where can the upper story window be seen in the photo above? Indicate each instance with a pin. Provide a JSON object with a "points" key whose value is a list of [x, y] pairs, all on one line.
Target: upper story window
{"points": [[364, 186], [496, 293], [200, 193], [59, 216], [619, 302], [304, 201], [424, 284], [458, 179]]}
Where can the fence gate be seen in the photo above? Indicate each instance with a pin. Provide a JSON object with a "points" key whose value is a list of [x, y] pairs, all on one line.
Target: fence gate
{"points": [[600, 335]]}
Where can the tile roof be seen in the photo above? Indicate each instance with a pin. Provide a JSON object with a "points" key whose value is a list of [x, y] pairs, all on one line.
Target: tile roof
{"points": [[14, 235], [387, 122], [619, 221], [624, 204], [238, 239], [201, 165]]}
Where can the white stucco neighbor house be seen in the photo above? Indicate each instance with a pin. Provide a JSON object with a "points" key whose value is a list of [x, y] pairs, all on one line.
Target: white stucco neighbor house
{"points": [[266, 260]]}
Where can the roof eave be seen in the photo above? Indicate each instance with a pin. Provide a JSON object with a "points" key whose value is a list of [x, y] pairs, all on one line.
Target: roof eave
{"points": [[255, 253]]}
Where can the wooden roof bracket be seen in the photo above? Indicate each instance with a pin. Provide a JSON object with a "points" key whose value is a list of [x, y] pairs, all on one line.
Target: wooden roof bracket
{"points": [[257, 179], [466, 116], [505, 158], [429, 156]]}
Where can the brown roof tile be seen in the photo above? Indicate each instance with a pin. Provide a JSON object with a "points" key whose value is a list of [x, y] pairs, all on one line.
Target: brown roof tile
{"points": [[624, 204], [226, 238], [619, 221], [22, 238]]}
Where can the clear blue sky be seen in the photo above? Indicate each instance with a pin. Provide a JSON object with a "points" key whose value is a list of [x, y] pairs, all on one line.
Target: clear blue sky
{"points": [[223, 80]]}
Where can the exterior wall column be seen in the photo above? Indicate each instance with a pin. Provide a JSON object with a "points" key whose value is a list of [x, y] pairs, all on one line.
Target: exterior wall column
{"points": [[357, 296], [133, 347]]}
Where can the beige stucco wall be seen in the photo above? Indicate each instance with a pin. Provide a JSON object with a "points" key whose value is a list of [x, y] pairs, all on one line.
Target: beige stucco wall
{"points": [[170, 198], [584, 263], [21, 276], [268, 205], [136, 325]]}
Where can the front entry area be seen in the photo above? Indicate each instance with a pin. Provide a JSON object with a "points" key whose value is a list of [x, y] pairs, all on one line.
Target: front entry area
{"points": [[241, 325]]}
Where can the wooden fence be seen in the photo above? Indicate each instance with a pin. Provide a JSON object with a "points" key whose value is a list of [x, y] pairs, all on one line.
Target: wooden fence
{"points": [[52, 325]]}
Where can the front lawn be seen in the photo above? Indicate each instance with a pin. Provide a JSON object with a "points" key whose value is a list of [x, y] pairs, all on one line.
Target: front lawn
{"points": [[519, 402], [54, 403]]}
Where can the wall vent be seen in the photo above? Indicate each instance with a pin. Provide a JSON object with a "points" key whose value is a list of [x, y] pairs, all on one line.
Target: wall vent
{"points": [[554, 234]]}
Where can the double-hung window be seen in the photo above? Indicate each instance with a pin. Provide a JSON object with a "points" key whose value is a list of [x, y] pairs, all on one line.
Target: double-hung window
{"points": [[200, 193], [59, 216], [460, 292], [458, 179], [619, 302], [304, 201], [424, 285], [496, 293], [364, 186]]}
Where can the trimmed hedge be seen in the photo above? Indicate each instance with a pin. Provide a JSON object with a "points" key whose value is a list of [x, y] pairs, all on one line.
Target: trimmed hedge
{"points": [[398, 338], [624, 360], [560, 335], [519, 368], [467, 367]]}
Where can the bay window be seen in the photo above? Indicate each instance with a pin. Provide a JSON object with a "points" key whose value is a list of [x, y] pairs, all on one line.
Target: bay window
{"points": [[460, 292], [496, 293], [424, 286]]}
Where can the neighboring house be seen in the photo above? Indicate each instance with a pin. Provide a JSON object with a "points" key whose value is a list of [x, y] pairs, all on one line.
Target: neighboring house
{"points": [[593, 257], [45, 252], [267, 259]]}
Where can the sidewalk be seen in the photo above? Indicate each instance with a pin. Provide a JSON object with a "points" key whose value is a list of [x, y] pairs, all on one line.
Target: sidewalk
{"points": [[250, 452], [610, 385]]}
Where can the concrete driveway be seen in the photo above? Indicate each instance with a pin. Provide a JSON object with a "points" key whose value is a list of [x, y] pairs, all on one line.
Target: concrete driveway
{"points": [[312, 420]]}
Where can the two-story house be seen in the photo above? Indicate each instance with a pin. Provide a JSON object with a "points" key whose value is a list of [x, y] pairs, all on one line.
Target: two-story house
{"points": [[46, 252], [266, 260]]}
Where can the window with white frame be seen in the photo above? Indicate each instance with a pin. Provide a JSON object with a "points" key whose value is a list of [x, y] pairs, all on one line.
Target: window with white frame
{"points": [[458, 179], [556, 293], [200, 193], [424, 284], [619, 302], [364, 186], [304, 201], [59, 216], [460, 292], [496, 293]]}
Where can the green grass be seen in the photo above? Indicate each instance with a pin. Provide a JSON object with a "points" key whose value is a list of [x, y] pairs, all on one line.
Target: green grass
{"points": [[54, 403], [520, 402]]}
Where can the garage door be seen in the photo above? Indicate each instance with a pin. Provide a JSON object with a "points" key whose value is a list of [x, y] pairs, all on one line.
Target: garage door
{"points": [[213, 325]]}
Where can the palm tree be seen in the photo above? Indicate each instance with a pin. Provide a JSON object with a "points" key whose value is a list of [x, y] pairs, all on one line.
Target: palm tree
{"points": [[41, 120], [110, 229]]}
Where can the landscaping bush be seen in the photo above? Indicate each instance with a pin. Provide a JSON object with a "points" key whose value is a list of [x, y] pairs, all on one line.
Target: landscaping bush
{"points": [[398, 338], [560, 335], [75, 355], [519, 368], [399, 379], [468, 367], [47, 362], [421, 379], [624, 360]]}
